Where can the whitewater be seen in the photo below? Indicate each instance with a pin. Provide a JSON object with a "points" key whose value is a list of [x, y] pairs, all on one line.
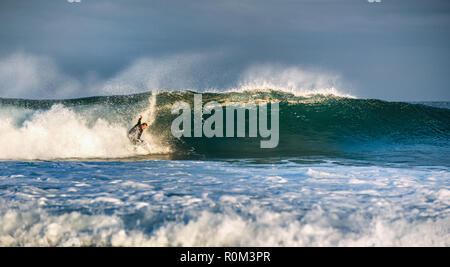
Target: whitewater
{"points": [[346, 172]]}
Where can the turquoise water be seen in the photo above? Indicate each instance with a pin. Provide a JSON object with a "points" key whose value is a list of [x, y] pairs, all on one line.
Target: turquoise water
{"points": [[346, 172]]}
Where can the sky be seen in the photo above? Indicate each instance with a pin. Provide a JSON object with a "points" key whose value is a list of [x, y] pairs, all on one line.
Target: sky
{"points": [[397, 50]]}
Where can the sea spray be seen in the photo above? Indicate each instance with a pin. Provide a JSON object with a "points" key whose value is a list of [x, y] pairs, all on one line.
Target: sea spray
{"points": [[61, 133], [156, 145]]}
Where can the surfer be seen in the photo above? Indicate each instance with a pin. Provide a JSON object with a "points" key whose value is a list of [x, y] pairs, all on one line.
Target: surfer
{"points": [[134, 134]]}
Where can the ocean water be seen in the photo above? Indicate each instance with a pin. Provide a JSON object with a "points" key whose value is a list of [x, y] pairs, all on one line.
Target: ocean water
{"points": [[346, 172]]}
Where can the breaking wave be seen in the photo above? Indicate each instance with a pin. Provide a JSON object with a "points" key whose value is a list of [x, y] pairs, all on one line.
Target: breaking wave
{"points": [[317, 124]]}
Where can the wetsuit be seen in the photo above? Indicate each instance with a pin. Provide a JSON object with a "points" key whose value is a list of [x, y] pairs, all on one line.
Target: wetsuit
{"points": [[135, 133]]}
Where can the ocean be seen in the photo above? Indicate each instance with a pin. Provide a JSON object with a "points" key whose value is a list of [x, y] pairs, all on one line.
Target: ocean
{"points": [[346, 172]]}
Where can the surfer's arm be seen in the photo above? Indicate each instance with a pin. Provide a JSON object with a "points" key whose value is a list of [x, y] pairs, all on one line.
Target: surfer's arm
{"points": [[139, 121]]}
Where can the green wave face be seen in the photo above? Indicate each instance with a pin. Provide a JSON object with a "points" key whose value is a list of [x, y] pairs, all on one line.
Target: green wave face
{"points": [[315, 125]]}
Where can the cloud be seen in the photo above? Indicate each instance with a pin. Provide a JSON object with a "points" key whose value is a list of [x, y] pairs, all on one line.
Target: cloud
{"points": [[396, 52]]}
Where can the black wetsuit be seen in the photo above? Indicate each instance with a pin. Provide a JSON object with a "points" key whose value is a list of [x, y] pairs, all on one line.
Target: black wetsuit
{"points": [[135, 133]]}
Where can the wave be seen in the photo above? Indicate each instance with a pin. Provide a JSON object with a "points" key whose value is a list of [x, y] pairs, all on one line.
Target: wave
{"points": [[310, 125]]}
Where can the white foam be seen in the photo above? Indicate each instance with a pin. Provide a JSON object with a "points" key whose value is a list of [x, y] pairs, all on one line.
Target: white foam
{"points": [[190, 211], [444, 196], [81, 184], [35, 227], [323, 174], [276, 179], [136, 185], [61, 133], [107, 199]]}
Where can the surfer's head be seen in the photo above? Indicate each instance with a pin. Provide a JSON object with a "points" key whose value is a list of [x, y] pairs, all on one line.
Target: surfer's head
{"points": [[143, 126]]}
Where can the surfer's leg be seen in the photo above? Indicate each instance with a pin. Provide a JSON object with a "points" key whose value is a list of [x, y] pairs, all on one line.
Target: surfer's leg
{"points": [[134, 141]]}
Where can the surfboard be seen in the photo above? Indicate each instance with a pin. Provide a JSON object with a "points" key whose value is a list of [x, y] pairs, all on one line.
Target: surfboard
{"points": [[143, 144]]}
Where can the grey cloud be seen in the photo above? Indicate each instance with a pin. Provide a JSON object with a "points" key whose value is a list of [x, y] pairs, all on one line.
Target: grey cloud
{"points": [[395, 50]]}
